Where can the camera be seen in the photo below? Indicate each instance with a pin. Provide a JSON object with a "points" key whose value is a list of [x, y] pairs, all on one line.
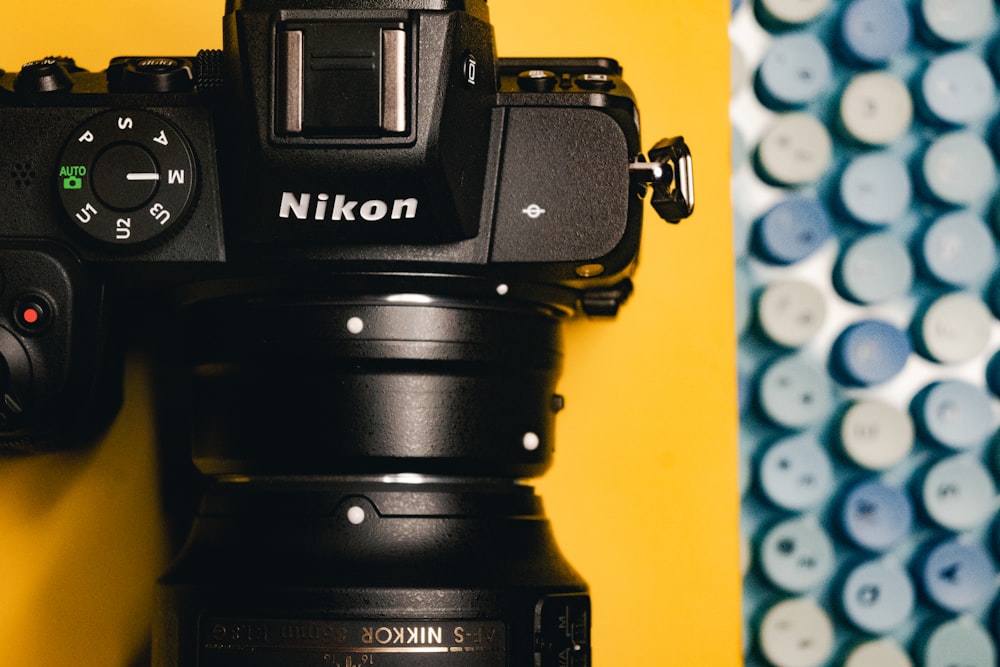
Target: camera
{"points": [[367, 230]]}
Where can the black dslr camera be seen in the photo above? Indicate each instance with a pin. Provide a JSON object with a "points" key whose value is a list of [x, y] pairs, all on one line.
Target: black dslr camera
{"points": [[368, 230]]}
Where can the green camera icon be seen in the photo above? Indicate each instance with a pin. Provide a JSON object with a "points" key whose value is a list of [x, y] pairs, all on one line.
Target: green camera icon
{"points": [[72, 177]]}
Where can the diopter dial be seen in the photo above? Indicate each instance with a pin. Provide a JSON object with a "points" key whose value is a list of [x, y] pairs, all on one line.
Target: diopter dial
{"points": [[126, 177]]}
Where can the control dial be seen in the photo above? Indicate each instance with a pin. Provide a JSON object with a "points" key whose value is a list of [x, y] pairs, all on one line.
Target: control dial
{"points": [[16, 387], [126, 177]]}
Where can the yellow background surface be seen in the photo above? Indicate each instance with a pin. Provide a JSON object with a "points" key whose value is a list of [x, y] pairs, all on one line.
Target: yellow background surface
{"points": [[643, 492]]}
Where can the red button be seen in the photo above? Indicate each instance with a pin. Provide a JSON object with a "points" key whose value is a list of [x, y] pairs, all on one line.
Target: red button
{"points": [[32, 314]]}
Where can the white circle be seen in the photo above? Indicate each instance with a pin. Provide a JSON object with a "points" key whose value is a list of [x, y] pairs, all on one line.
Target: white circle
{"points": [[796, 150], [737, 68], [356, 515], [531, 441], [958, 21], [878, 653], [791, 313], [956, 328], [746, 554], [795, 11], [876, 108], [876, 435], [743, 289], [355, 325], [796, 633], [503, 289]]}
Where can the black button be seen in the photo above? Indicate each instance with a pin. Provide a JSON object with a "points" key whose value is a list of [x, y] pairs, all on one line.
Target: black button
{"points": [[32, 314], [50, 75], [151, 75], [470, 70], [595, 81], [537, 81]]}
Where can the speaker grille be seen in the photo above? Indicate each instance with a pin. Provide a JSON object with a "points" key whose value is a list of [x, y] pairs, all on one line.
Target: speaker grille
{"points": [[23, 174]]}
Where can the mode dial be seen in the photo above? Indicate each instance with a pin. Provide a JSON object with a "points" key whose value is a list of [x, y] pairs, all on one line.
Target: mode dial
{"points": [[126, 177]]}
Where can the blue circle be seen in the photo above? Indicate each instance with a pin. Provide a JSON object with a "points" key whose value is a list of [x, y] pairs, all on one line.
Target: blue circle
{"points": [[797, 555], [954, 414], [869, 352], [958, 169], [958, 249], [792, 230], [737, 146], [794, 393], [957, 576], [959, 641], [876, 516], [872, 31], [744, 389], [873, 269], [876, 189], [743, 291], [796, 473], [794, 71], [957, 88], [958, 493], [877, 597]]}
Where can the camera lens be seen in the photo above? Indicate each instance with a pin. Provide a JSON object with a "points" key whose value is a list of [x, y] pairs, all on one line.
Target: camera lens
{"points": [[364, 504], [373, 571]]}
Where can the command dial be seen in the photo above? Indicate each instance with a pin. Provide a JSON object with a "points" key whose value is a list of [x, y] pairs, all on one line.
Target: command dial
{"points": [[126, 177]]}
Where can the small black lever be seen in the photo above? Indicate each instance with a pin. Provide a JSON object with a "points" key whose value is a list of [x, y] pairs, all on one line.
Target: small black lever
{"points": [[669, 172]]}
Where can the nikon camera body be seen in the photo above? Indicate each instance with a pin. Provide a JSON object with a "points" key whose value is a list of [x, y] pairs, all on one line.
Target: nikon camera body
{"points": [[369, 230]]}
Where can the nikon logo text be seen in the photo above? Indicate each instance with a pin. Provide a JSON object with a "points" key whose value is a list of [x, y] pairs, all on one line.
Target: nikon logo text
{"points": [[307, 206]]}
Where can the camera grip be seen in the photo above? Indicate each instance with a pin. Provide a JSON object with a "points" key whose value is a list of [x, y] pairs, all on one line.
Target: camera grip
{"points": [[57, 386]]}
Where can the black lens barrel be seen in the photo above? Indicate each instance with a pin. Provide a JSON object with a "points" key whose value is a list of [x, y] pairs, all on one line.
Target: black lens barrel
{"points": [[440, 573], [373, 385]]}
